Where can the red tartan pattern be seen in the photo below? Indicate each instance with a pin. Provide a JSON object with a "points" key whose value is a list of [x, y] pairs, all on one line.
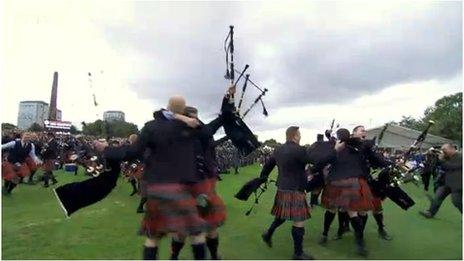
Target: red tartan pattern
{"points": [[291, 205], [352, 194]]}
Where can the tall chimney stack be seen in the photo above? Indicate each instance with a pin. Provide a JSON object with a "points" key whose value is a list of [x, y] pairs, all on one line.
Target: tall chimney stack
{"points": [[52, 109]]}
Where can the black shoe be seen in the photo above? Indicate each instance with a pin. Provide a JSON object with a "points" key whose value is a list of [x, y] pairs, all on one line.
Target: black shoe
{"points": [[54, 182], [384, 235], [46, 185], [140, 210], [339, 235], [323, 240], [267, 239], [303, 256], [133, 193], [426, 214]]}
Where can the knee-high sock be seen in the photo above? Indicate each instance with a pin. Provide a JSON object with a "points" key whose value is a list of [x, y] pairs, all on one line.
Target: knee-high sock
{"points": [[143, 200], [344, 219], [134, 187], [364, 220], [213, 244], [328, 218], [31, 177], [314, 198], [379, 219], [275, 224], [199, 251], [176, 247], [11, 186], [357, 224], [46, 177], [6, 185], [53, 177], [297, 235], [150, 253]]}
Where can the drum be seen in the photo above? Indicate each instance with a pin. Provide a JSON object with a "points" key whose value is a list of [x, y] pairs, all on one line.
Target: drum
{"points": [[70, 167]]}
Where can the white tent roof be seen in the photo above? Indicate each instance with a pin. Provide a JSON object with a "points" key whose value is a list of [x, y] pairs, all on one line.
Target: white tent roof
{"points": [[398, 137]]}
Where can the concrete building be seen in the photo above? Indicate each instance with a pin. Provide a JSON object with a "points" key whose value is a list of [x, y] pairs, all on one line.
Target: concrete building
{"points": [[31, 112], [114, 116], [58, 114]]}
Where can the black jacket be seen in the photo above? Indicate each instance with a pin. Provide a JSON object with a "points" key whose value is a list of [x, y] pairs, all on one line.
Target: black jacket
{"points": [[51, 150], [205, 151], [172, 149], [291, 160], [19, 153], [453, 172], [355, 161]]}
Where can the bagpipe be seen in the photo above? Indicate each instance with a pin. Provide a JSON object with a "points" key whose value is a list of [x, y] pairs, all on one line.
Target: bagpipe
{"points": [[234, 126], [388, 181], [77, 195], [404, 173], [256, 186], [132, 169], [385, 185]]}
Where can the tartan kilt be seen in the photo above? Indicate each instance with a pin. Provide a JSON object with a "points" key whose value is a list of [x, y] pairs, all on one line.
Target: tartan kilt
{"points": [[31, 165], [171, 208], [12, 173], [377, 203], [49, 165], [291, 205], [351, 194], [215, 213]]}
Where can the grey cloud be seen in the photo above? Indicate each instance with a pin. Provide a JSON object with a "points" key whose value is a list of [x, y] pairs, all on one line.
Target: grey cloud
{"points": [[179, 50]]}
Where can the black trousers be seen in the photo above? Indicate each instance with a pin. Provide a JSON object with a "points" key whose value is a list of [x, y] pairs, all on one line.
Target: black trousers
{"points": [[440, 195]]}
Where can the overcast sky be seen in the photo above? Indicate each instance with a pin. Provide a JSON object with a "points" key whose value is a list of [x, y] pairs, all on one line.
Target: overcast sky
{"points": [[358, 62]]}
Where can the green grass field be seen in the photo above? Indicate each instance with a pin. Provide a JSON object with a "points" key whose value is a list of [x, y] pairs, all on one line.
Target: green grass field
{"points": [[34, 227]]}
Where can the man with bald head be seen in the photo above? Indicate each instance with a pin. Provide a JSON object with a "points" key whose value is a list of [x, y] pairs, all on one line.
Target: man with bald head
{"points": [[451, 163], [176, 104], [170, 141]]}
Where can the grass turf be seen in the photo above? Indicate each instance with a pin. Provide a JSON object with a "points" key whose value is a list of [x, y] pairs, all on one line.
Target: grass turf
{"points": [[34, 227]]}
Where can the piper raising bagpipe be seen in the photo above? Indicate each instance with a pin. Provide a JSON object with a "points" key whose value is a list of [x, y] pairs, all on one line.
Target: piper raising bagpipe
{"points": [[239, 133]]}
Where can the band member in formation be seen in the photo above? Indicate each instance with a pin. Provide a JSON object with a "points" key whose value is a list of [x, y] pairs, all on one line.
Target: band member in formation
{"points": [[451, 163], [133, 170], [290, 200], [361, 133], [20, 161], [50, 155], [347, 186], [135, 175], [210, 206]]}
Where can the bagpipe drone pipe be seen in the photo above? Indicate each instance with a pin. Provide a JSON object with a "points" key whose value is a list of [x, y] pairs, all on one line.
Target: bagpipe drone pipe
{"points": [[234, 126]]}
